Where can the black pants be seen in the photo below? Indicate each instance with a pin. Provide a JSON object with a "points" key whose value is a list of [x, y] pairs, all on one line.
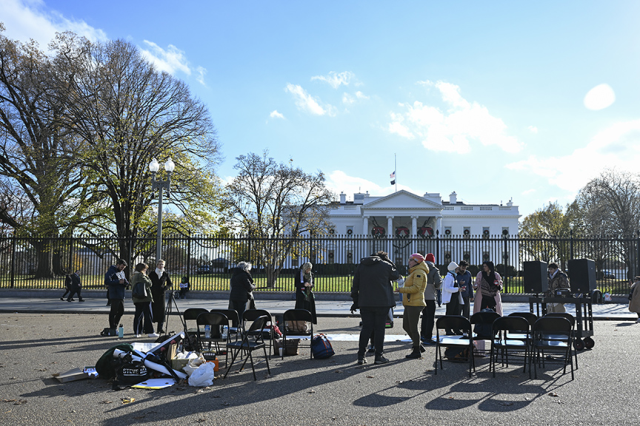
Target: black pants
{"points": [[373, 321], [66, 291], [116, 313], [239, 306], [75, 290], [453, 308], [143, 312], [428, 319], [466, 307]]}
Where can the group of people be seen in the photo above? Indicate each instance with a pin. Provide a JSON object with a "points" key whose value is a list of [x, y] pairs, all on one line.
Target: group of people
{"points": [[73, 286], [373, 288], [150, 306]]}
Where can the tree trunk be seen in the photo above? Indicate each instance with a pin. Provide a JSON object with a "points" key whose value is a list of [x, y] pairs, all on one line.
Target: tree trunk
{"points": [[44, 258], [272, 276]]}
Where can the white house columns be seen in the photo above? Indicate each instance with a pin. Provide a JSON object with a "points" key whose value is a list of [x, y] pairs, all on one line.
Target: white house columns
{"points": [[390, 226], [414, 225]]}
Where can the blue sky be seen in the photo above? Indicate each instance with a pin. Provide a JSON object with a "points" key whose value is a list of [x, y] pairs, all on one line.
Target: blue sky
{"points": [[493, 99]]}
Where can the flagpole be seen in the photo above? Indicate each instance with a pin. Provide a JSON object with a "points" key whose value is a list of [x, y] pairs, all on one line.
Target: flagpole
{"points": [[395, 170]]}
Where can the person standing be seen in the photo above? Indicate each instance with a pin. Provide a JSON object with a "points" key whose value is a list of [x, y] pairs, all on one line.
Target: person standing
{"points": [[160, 283], [558, 280], [67, 286], [304, 294], [76, 286], [634, 297], [434, 282], [451, 294], [372, 293], [241, 289], [413, 301], [464, 281], [116, 282], [488, 286], [142, 320]]}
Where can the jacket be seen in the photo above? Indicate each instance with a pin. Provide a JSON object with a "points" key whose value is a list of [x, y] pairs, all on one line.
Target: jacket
{"points": [[434, 281], [558, 282], [111, 280], [372, 283], [477, 301], [448, 288], [241, 285], [414, 286], [634, 302], [466, 277], [142, 277]]}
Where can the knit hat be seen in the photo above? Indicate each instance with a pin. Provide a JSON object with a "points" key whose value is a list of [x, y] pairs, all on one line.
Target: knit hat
{"points": [[417, 257], [430, 258], [452, 266]]}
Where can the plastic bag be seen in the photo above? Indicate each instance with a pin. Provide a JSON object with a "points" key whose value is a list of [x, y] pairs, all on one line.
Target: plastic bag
{"points": [[193, 364], [203, 376]]}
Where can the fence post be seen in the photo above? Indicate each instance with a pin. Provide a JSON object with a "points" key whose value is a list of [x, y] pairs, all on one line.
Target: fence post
{"points": [[637, 266], [437, 245], [13, 258], [188, 253], [571, 244]]}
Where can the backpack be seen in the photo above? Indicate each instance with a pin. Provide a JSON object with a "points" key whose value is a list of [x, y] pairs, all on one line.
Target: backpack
{"points": [[457, 354], [139, 290], [321, 347]]}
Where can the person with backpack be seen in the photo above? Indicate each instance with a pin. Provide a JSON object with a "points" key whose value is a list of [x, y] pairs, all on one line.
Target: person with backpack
{"points": [[413, 301], [142, 299], [434, 282]]}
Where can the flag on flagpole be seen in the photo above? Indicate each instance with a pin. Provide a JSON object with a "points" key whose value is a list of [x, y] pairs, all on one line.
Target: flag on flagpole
{"points": [[393, 178]]}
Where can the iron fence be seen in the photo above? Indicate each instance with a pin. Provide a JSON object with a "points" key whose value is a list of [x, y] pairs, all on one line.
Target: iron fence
{"points": [[207, 261]]}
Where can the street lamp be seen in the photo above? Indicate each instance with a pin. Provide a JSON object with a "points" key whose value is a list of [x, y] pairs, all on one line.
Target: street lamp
{"points": [[160, 185]]}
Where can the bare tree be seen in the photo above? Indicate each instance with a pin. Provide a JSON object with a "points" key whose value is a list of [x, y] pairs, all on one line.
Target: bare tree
{"points": [[270, 201]]}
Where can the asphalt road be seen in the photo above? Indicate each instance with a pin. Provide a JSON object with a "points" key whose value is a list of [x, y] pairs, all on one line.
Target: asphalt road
{"points": [[313, 392]]}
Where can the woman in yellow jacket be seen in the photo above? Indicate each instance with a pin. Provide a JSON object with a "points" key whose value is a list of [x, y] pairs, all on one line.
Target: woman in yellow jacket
{"points": [[413, 301]]}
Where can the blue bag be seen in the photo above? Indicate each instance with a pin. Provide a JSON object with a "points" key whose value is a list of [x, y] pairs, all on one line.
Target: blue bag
{"points": [[321, 347]]}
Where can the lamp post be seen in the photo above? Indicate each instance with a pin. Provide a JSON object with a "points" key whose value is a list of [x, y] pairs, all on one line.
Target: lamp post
{"points": [[160, 185]]}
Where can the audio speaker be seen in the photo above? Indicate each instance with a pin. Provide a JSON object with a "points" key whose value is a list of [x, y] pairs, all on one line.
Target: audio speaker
{"points": [[536, 278], [582, 275]]}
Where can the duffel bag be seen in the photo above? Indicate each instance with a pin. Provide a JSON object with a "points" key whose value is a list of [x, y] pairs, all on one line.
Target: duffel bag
{"points": [[321, 347]]}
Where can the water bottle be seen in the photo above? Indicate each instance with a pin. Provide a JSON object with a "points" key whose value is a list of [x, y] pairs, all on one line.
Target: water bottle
{"points": [[120, 331], [225, 330], [207, 332]]}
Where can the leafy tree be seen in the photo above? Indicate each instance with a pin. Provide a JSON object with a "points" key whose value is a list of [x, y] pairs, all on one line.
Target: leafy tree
{"points": [[274, 204]]}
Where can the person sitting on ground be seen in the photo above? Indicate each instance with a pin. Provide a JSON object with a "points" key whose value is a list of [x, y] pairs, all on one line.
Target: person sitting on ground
{"points": [[413, 301]]}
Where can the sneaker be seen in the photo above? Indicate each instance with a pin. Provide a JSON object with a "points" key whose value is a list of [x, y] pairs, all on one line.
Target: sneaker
{"points": [[62, 298], [138, 335], [415, 354], [422, 349], [381, 360], [80, 300], [154, 335], [362, 361]]}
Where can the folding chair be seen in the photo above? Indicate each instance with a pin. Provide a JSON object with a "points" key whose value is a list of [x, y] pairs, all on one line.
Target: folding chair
{"points": [[297, 315], [530, 317], [454, 322], [572, 320], [215, 320], [250, 345], [191, 314], [551, 334], [251, 315], [510, 332], [232, 315], [485, 319]]}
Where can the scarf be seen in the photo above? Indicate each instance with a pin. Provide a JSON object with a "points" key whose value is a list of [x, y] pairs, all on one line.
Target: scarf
{"points": [[159, 272]]}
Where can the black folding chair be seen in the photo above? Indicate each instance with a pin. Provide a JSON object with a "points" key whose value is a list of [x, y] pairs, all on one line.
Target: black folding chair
{"points": [[190, 315], [511, 333], [454, 322], [297, 315], [483, 321], [572, 320], [251, 315], [551, 334], [215, 321], [232, 315], [250, 345]]}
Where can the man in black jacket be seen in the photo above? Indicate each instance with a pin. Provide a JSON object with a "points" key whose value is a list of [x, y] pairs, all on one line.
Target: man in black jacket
{"points": [[372, 293], [115, 280]]}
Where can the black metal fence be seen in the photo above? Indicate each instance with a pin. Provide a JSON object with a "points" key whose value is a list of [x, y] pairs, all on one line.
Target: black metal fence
{"points": [[37, 263]]}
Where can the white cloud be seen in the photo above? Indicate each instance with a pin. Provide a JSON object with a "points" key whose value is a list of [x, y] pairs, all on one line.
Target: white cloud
{"points": [[170, 60], [347, 99], [335, 79], [306, 102], [338, 181], [528, 191], [600, 97], [202, 71], [454, 129], [30, 19], [361, 95], [617, 146], [276, 114], [533, 129]]}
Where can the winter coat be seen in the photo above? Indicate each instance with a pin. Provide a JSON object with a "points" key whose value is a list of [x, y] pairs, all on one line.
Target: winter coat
{"points": [[158, 287], [302, 301], [241, 286], [372, 283], [111, 280], [142, 277], [466, 277], [634, 303], [558, 282], [449, 288], [434, 281], [414, 286], [477, 301]]}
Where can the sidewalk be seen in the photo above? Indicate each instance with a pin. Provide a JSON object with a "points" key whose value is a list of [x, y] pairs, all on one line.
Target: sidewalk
{"points": [[325, 308]]}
